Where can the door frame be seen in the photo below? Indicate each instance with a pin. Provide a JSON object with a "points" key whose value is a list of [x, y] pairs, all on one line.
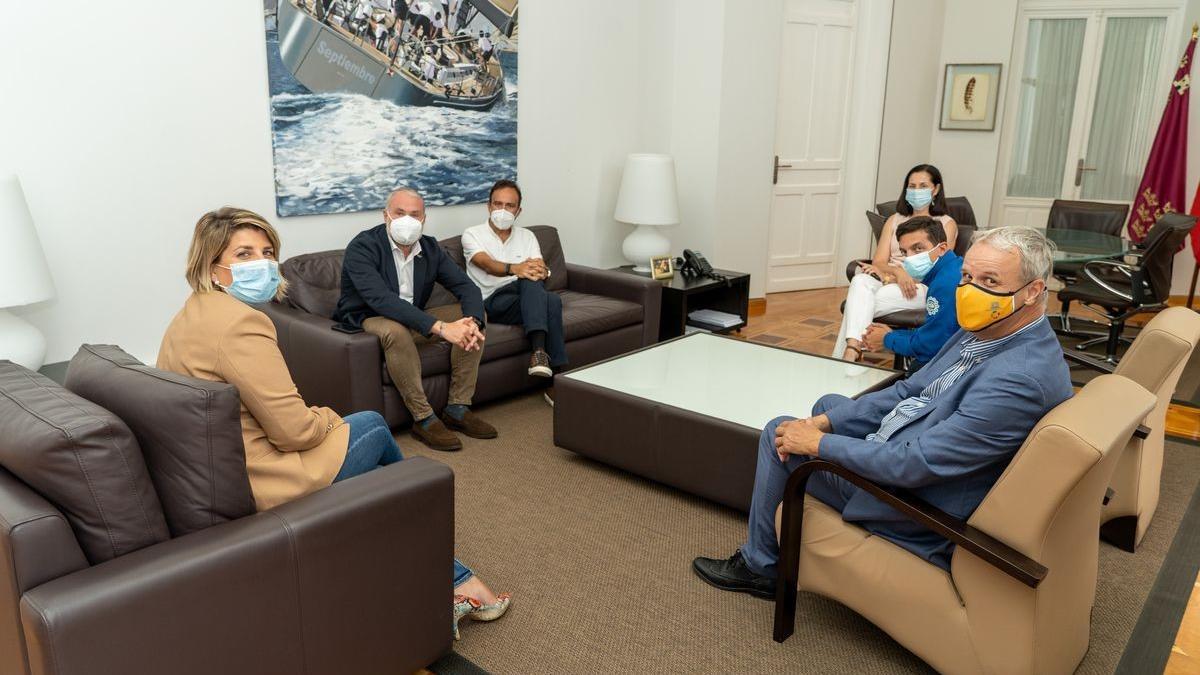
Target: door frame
{"points": [[860, 147], [1093, 11]]}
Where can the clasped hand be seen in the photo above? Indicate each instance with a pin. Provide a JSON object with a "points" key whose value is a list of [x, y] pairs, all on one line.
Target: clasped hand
{"points": [[533, 269], [464, 333], [800, 437]]}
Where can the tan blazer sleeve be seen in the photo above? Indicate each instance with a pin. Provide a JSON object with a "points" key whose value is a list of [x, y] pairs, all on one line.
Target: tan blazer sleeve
{"points": [[248, 357]]}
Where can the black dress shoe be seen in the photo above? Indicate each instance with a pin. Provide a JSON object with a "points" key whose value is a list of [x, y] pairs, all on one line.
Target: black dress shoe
{"points": [[733, 575]]}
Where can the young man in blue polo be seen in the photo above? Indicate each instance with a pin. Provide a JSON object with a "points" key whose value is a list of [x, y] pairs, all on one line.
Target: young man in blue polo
{"points": [[928, 258]]}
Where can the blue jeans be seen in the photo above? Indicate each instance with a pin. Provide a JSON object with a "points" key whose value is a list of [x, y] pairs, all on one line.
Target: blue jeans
{"points": [[761, 550], [527, 303], [372, 446]]}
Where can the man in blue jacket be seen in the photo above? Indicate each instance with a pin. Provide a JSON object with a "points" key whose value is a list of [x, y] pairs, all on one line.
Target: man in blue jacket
{"points": [[387, 277], [928, 258], [946, 433]]}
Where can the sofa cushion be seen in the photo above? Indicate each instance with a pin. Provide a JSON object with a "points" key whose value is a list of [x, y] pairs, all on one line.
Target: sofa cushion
{"points": [[314, 281], [552, 253], [81, 458], [189, 430], [504, 340], [585, 314]]}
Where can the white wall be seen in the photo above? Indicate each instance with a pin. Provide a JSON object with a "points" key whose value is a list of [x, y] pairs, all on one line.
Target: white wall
{"points": [[973, 32], [911, 97], [130, 120]]}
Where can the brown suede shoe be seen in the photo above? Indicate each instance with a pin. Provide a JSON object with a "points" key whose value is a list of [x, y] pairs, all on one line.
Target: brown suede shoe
{"points": [[437, 436], [471, 425]]}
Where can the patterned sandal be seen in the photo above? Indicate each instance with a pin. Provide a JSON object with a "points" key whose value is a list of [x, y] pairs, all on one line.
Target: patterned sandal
{"points": [[493, 611], [463, 606]]}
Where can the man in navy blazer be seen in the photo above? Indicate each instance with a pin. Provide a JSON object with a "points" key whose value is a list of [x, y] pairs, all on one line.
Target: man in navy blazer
{"points": [[388, 274], [946, 433]]}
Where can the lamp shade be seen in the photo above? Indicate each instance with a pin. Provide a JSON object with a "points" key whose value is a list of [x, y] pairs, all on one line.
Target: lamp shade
{"points": [[648, 195], [24, 276]]}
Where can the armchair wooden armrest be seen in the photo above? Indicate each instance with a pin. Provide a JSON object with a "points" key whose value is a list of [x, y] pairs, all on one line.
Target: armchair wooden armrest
{"points": [[991, 550]]}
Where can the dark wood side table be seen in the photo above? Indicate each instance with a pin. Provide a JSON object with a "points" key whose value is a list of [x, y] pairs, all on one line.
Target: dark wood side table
{"points": [[682, 295]]}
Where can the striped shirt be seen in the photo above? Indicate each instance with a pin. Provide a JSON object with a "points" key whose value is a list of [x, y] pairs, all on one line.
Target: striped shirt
{"points": [[973, 352]]}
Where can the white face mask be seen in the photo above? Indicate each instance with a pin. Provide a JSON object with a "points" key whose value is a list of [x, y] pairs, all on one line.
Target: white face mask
{"points": [[502, 219], [405, 230]]}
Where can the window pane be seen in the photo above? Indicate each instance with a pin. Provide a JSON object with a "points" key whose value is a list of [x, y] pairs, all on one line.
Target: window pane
{"points": [[1126, 104], [1047, 101]]}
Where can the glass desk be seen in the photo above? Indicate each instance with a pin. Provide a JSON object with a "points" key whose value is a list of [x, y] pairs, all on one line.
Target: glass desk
{"points": [[1079, 246], [688, 412]]}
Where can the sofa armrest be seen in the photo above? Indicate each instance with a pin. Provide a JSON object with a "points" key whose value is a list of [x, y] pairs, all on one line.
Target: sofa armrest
{"points": [[989, 549], [355, 578], [343, 371], [644, 291], [36, 546]]}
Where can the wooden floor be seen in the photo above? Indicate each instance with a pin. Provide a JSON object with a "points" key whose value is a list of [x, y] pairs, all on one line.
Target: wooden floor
{"points": [[809, 321]]}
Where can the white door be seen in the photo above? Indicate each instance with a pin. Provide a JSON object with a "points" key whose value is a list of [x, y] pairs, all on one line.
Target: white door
{"points": [[1088, 87], [815, 68]]}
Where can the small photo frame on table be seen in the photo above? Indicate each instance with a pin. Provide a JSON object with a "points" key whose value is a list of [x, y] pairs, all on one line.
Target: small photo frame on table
{"points": [[662, 267], [969, 95]]}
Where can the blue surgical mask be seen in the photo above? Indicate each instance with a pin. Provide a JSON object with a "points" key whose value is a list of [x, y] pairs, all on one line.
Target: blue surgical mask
{"points": [[918, 198], [918, 265], [255, 281]]}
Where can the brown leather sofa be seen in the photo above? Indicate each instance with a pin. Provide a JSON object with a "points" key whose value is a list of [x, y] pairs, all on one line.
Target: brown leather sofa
{"points": [[605, 314], [130, 544], [1022, 579]]}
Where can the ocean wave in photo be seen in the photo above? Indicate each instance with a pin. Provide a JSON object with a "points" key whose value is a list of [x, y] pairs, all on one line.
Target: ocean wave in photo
{"points": [[339, 153]]}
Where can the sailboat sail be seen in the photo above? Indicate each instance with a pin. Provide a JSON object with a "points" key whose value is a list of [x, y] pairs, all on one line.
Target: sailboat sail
{"points": [[501, 13]]}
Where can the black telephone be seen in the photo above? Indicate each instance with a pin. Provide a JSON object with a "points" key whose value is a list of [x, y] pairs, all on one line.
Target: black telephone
{"points": [[693, 264]]}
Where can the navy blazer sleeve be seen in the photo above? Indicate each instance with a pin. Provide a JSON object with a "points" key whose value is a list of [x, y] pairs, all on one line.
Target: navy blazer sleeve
{"points": [[861, 416], [362, 265], [992, 420], [451, 276]]}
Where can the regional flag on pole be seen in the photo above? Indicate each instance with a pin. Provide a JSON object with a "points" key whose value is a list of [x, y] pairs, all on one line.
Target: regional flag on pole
{"points": [[1162, 189]]}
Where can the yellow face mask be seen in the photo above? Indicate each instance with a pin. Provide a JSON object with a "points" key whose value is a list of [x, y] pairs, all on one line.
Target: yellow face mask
{"points": [[977, 308]]}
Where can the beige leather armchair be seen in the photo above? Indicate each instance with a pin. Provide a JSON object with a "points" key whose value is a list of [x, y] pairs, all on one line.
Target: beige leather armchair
{"points": [[1019, 593], [1155, 360]]}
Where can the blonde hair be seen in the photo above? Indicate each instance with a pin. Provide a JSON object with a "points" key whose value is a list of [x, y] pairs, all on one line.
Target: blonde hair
{"points": [[211, 236]]}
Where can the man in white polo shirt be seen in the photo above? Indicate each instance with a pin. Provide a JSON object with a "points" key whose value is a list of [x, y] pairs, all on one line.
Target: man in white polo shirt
{"points": [[505, 262]]}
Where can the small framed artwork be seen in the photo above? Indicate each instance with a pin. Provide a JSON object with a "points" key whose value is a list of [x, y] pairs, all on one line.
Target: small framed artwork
{"points": [[662, 267], [969, 94]]}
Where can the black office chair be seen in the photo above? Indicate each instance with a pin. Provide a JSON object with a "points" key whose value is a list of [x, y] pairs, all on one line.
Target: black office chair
{"points": [[1119, 290], [1088, 216]]}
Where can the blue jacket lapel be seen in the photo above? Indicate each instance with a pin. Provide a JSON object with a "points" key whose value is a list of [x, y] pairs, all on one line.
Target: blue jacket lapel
{"points": [[388, 263]]}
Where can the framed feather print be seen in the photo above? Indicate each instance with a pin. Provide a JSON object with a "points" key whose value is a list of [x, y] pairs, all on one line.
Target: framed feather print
{"points": [[969, 93]]}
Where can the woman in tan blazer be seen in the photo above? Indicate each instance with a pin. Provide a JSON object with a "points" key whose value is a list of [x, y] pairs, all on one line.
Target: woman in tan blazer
{"points": [[291, 449]]}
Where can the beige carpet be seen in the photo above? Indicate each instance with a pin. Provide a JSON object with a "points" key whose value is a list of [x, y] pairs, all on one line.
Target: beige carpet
{"points": [[599, 561]]}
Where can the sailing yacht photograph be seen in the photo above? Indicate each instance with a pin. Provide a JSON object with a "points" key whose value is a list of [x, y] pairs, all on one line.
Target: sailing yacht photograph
{"points": [[364, 92]]}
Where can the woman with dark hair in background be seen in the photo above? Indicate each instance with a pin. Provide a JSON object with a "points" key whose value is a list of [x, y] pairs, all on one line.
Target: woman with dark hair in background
{"points": [[883, 286]]}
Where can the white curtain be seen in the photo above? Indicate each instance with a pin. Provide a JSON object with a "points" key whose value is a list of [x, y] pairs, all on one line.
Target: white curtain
{"points": [[1052, 53], [1126, 109]]}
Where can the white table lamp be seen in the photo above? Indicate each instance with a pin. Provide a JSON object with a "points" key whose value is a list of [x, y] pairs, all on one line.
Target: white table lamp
{"points": [[24, 277], [649, 200]]}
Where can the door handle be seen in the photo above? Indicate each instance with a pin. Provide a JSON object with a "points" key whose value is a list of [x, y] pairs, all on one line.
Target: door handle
{"points": [[1079, 169], [775, 172]]}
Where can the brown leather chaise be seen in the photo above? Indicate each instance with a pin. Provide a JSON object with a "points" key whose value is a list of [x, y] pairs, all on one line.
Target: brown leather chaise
{"points": [[125, 550], [605, 314], [1155, 360], [1022, 580]]}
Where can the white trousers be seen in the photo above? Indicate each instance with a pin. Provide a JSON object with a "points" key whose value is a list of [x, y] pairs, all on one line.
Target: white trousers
{"points": [[868, 298]]}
